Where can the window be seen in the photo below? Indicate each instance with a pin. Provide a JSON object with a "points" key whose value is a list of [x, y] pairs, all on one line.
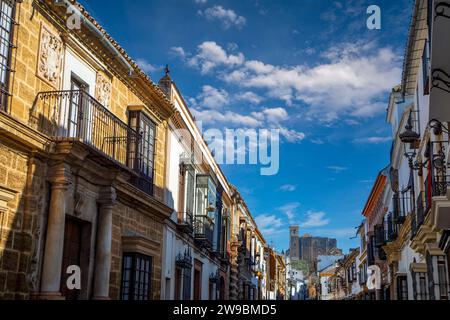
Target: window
{"points": [[136, 277], [189, 193], [426, 69], [442, 278], [6, 31], [141, 157], [402, 288], [186, 193], [430, 19], [423, 286], [437, 277], [354, 271], [224, 233], [187, 283], [206, 211], [419, 285], [206, 196]]}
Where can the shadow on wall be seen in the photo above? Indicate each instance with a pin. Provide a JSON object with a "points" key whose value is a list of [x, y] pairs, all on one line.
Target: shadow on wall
{"points": [[22, 223]]}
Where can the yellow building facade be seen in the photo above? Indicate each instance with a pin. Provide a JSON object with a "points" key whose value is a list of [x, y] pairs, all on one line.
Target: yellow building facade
{"points": [[82, 141]]}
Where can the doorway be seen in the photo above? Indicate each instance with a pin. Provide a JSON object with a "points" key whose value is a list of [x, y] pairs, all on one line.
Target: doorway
{"points": [[77, 235], [197, 280], [77, 113]]}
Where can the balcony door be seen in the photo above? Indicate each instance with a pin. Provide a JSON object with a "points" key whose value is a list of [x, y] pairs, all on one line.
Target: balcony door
{"points": [[78, 76], [78, 109]]}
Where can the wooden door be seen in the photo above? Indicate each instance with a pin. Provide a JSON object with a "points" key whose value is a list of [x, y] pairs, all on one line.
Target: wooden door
{"points": [[71, 255]]}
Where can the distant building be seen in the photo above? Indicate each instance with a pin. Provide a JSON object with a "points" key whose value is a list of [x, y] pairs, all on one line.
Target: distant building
{"points": [[294, 243], [307, 247]]}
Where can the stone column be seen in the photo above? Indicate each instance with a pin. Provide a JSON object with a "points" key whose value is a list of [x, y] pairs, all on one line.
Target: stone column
{"points": [[104, 239], [54, 244]]}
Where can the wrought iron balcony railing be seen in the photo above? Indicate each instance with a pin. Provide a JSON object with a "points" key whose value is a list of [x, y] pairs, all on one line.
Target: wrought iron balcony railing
{"points": [[438, 179], [204, 230], [186, 221], [402, 206], [391, 228], [77, 116], [419, 217]]}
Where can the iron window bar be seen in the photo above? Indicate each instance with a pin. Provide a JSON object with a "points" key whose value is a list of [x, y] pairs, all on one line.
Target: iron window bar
{"points": [[7, 24]]}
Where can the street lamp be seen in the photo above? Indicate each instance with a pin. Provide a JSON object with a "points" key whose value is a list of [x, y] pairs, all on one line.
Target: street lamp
{"points": [[409, 136]]}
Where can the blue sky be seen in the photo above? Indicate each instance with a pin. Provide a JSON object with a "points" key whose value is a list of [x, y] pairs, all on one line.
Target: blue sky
{"points": [[310, 68]]}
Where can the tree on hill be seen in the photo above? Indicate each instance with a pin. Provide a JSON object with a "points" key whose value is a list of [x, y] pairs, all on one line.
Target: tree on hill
{"points": [[301, 266]]}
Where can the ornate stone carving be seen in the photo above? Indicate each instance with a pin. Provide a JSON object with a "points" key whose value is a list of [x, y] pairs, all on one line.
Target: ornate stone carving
{"points": [[103, 89], [50, 57]]}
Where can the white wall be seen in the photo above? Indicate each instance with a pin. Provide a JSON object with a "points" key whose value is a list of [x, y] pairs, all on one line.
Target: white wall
{"points": [[74, 64]]}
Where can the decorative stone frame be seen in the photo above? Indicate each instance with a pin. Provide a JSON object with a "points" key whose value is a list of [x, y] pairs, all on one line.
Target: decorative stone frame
{"points": [[139, 244], [50, 57], [103, 89]]}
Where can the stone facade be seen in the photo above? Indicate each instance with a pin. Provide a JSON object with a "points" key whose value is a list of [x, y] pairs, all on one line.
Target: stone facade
{"points": [[80, 192], [45, 183]]}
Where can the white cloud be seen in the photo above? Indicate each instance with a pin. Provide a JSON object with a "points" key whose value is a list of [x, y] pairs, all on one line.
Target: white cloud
{"points": [[234, 76], [317, 141], [315, 219], [268, 118], [178, 52], [249, 96], [351, 80], [227, 17], [201, 1], [337, 169], [210, 55], [213, 98], [228, 117], [269, 224], [372, 140], [292, 135], [146, 66], [339, 233], [275, 115], [290, 210], [288, 188]]}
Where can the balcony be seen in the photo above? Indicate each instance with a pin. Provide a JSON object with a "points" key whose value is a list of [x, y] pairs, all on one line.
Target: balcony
{"points": [[438, 179], [74, 115], [437, 185], [380, 238], [419, 217], [186, 222], [391, 228], [362, 279], [224, 257], [401, 207], [204, 230]]}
